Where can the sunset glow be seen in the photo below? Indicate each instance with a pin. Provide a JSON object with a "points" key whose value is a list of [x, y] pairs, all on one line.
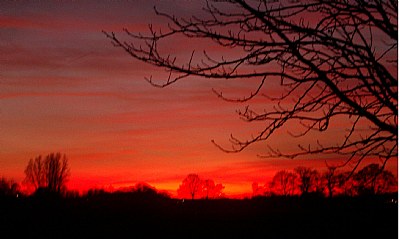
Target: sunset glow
{"points": [[65, 88]]}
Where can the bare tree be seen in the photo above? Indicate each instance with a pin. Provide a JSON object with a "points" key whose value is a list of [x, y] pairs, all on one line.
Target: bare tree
{"points": [[8, 187], [335, 61], [346, 184], [331, 180], [211, 190], [34, 173], [386, 182], [372, 179], [284, 183], [217, 191], [308, 179], [48, 173], [259, 190], [195, 187], [191, 185]]}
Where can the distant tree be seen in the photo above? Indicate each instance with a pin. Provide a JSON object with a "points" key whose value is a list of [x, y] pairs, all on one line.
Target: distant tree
{"points": [[34, 173], [208, 186], [385, 182], [331, 180], [218, 191], [191, 185], [195, 187], [346, 184], [48, 174], [319, 184], [258, 190], [372, 179], [143, 187], [308, 179], [333, 61], [284, 183], [211, 190], [8, 187]]}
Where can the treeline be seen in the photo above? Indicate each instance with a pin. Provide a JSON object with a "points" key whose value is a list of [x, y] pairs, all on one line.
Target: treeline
{"points": [[194, 187], [44, 175], [8, 188], [370, 180], [47, 177]]}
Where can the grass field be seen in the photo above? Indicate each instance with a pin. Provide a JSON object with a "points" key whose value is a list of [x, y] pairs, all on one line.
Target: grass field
{"points": [[151, 216]]}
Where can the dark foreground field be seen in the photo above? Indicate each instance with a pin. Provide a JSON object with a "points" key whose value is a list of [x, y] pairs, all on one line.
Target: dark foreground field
{"points": [[141, 216]]}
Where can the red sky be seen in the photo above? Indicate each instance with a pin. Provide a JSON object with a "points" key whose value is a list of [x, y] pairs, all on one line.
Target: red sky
{"points": [[65, 88]]}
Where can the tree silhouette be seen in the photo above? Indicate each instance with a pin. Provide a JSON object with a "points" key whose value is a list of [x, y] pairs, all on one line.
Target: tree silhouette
{"points": [[195, 187], [372, 179], [284, 183], [260, 190], [308, 179], [208, 187], [8, 187], [331, 180], [211, 190], [335, 61], [48, 173], [346, 184], [191, 184]]}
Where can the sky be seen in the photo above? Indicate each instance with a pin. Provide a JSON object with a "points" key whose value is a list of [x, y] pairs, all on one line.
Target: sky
{"points": [[65, 88]]}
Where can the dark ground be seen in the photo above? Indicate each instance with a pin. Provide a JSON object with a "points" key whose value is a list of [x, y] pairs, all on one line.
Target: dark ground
{"points": [[144, 216]]}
